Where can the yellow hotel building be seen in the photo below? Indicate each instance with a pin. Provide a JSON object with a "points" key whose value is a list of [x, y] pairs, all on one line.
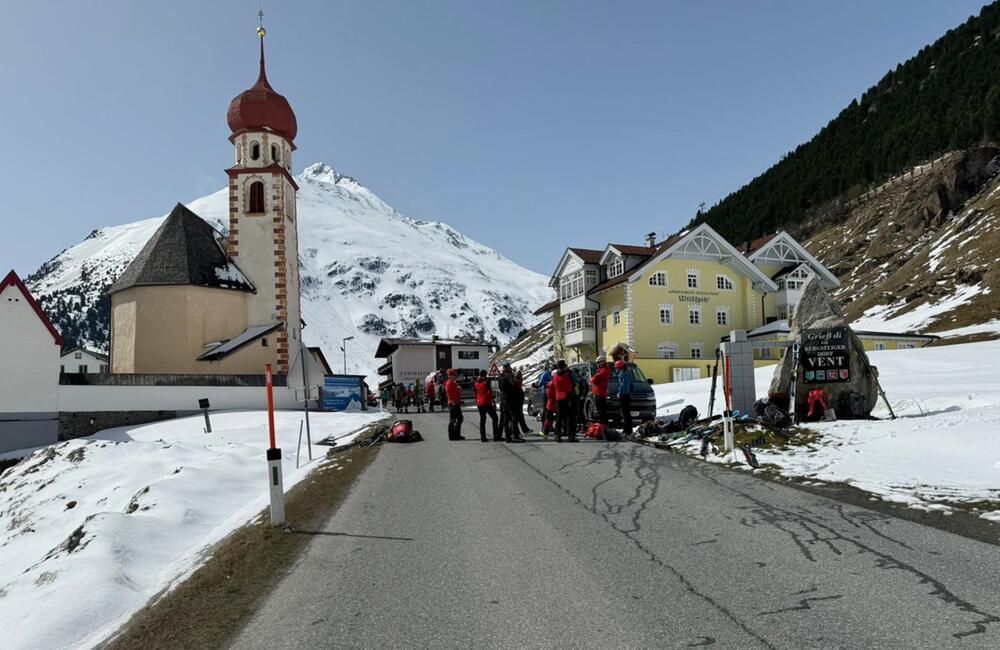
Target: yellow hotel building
{"points": [[669, 304]]}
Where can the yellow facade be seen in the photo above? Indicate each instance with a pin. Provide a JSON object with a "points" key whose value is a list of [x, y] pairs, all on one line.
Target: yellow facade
{"points": [[164, 329]]}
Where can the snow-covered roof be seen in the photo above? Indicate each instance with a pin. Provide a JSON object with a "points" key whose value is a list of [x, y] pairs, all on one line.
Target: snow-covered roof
{"points": [[246, 337], [78, 348], [774, 327], [183, 251]]}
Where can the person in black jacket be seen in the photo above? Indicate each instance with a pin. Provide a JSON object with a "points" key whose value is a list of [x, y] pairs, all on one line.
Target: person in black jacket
{"points": [[519, 423], [508, 402]]}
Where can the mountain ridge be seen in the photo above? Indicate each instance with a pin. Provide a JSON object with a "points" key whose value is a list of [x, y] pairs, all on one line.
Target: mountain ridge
{"points": [[366, 271]]}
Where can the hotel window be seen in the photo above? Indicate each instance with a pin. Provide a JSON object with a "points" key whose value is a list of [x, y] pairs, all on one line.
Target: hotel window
{"points": [[906, 346], [573, 322], [724, 283], [722, 315], [468, 355], [765, 353], [658, 279], [616, 268], [796, 279], [591, 278], [697, 350], [694, 315], [588, 320], [666, 351], [616, 318], [604, 322], [77, 355], [666, 314], [571, 286], [879, 346], [692, 279]]}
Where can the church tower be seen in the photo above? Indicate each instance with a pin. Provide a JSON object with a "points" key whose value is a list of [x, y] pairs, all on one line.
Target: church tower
{"points": [[263, 238]]}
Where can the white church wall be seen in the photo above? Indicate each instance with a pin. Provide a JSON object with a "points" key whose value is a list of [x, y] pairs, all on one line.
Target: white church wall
{"points": [[170, 398]]}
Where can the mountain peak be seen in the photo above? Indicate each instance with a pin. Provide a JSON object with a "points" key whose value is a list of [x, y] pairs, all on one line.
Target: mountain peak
{"points": [[323, 173]]}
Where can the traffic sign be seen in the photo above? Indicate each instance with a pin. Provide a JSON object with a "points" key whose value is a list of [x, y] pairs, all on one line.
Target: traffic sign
{"points": [[494, 371]]}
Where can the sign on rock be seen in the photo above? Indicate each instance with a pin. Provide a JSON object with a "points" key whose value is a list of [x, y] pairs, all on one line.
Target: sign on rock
{"points": [[825, 355]]}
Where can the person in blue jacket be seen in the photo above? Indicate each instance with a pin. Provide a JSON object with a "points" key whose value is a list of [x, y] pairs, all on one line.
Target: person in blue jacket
{"points": [[543, 383], [625, 394]]}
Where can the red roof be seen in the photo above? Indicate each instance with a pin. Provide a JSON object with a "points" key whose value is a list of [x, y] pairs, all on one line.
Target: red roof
{"points": [[262, 108], [588, 255], [13, 280], [628, 249], [758, 243]]}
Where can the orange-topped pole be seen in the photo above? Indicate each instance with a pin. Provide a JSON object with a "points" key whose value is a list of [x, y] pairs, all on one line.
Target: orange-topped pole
{"points": [[270, 405]]}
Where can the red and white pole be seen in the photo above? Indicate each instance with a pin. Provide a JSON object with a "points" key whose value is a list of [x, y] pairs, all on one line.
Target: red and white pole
{"points": [[275, 480]]}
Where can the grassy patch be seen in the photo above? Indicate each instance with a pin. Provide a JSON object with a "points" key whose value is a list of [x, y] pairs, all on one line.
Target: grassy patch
{"points": [[212, 605]]}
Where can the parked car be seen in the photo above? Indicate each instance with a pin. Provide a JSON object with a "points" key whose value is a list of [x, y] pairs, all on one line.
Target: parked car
{"points": [[643, 399]]}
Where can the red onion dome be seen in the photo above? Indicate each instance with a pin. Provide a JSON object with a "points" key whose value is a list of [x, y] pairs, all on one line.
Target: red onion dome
{"points": [[261, 108]]}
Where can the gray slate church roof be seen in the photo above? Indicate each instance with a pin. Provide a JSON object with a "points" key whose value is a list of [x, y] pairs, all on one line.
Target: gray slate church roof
{"points": [[184, 250]]}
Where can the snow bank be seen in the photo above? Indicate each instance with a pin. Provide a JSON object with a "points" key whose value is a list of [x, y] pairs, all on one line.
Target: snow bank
{"points": [[92, 528], [942, 448]]}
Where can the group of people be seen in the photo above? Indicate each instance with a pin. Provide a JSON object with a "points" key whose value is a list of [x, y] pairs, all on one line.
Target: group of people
{"points": [[562, 388], [424, 397], [510, 424], [403, 396], [564, 391]]}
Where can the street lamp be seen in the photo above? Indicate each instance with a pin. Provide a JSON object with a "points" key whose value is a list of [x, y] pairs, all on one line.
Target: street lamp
{"points": [[343, 348]]}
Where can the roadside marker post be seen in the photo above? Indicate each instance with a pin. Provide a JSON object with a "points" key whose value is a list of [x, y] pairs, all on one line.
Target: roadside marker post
{"points": [[203, 405], [275, 480]]}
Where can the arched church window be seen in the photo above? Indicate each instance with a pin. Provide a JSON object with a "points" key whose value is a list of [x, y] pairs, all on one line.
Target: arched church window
{"points": [[255, 151], [256, 197], [275, 155]]}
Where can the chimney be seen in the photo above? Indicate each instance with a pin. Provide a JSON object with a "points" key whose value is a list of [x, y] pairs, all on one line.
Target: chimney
{"points": [[651, 240], [746, 248]]}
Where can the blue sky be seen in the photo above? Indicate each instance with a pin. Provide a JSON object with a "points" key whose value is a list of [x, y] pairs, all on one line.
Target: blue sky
{"points": [[528, 126]]}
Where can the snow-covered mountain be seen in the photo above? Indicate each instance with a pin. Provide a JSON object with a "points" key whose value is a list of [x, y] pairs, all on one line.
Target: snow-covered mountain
{"points": [[366, 270]]}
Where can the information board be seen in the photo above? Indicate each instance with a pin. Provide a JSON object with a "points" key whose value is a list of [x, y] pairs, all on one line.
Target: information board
{"points": [[825, 355], [341, 393]]}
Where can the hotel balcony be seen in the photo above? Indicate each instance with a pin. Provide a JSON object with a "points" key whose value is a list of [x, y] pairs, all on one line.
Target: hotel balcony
{"points": [[385, 368], [585, 336]]}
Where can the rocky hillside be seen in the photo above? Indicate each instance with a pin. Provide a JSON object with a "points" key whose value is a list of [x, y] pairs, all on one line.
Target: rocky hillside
{"points": [[367, 271], [920, 252]]}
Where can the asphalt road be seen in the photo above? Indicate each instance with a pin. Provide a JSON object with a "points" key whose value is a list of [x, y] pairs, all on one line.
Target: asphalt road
{"points": [[543, 545]]}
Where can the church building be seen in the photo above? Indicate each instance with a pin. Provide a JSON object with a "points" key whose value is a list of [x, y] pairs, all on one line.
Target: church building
{"points": [[195, 301]]}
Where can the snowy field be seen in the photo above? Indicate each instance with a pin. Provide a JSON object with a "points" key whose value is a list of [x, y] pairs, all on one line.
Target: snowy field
{"points": [[92, 528], [944, 446]]}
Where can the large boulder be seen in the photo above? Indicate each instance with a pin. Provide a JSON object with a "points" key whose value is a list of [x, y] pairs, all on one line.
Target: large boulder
{"points": [[818, 311]]}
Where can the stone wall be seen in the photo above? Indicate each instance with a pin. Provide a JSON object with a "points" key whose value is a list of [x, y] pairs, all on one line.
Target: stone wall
{"points": [[77, 424]]}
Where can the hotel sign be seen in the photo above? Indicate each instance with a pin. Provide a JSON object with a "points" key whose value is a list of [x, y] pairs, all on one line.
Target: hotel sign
{"points": [[693, 297], [825, 356]]}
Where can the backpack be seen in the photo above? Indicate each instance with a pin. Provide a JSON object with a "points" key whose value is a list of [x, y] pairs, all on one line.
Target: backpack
{"points": [[687, 415], [771, 414], [402, 431]]}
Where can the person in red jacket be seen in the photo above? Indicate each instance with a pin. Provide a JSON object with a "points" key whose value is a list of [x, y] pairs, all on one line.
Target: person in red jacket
{"points": [[563, 388], [599, 386], [430, 392], [454, 396], [484, 403], [550, 407]]}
